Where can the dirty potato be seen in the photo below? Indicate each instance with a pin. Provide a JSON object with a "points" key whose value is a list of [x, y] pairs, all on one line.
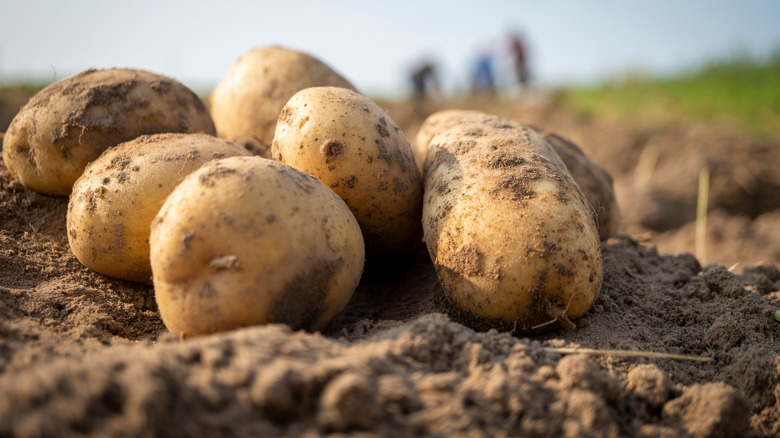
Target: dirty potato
{"points": [[352, 146], [246, 240], [593, 180], [245, 104], [512, 238], [430, 126], [114, 201], [70, 123]]}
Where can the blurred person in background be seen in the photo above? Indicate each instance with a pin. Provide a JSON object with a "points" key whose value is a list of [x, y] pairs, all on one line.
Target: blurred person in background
{"points": [[483, 81], [424, 83], [517, 50]]}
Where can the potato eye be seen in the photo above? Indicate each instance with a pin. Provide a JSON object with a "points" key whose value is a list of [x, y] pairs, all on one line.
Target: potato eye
{"points": [[332, 149]]}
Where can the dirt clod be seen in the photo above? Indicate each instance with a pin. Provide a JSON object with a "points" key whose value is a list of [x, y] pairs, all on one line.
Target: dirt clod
{"points": [[711, 410]]}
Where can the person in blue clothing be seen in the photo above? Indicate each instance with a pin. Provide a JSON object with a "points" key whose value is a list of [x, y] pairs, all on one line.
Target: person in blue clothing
{"points": [[482, 76]]}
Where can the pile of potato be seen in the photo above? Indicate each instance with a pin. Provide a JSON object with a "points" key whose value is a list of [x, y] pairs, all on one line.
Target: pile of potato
{"points": [[230, 237]]}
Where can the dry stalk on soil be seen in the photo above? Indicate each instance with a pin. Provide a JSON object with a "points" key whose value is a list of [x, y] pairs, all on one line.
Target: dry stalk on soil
{"points": [[626, 353], [701, 215]]}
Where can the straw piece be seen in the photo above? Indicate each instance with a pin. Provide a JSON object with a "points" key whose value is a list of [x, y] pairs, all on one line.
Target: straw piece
{"points": [[625, 353]]}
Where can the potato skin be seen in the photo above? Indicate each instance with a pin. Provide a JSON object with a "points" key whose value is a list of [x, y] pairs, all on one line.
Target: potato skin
{"points": [[594, 181], [246, 103], [113, 203], [511, 236], [350, 144], [430, 126], [71, 122], [245, 241]]}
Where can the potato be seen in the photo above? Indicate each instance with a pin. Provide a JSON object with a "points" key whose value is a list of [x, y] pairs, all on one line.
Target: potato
{"points": [[429, 128], [246, 240], [511, 236], [70, 123], [246, 103], [352, 146], [115, 200], [593, 180]]}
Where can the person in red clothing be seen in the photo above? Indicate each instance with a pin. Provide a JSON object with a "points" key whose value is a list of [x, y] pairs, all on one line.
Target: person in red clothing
{"points": [[519, 56]]}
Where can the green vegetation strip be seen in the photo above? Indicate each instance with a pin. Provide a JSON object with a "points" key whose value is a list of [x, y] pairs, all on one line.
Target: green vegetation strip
{"points": [[741, 90]]}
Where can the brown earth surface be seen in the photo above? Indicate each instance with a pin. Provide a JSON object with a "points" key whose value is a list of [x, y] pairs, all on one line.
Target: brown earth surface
{"points": [[82, 354]]}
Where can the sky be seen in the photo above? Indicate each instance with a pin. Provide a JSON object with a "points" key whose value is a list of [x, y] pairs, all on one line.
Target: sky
{"points": [[375, 44]]}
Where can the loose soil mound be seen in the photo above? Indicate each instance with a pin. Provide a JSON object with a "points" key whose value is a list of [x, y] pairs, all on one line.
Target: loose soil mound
{"points": [[82, 354]]}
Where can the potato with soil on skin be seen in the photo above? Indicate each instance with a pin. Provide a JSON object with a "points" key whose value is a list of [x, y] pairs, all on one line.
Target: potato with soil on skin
{"points": [[594, 181], [430, 126], [113, 203], [71, 122], [245, 241], [246, 103], [512, 238], [352, 146]]}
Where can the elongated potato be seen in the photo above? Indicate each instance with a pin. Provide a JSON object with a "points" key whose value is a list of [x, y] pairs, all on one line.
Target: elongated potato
{"points": [[245, 241], [352, 146], [115, 200], [593, 180], [246, 103], [511, 236], [429, 128], [71, 122]]}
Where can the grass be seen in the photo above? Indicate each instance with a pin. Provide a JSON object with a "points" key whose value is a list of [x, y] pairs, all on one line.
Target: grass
{"points": [[739, 90], [21, 88]]}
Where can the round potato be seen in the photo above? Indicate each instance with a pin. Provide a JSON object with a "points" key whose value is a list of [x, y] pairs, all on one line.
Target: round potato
{"points": [[594, 181], [246, 103], [115, 200], [246, 240], [511, 235], [352, 146], [70, 123]]}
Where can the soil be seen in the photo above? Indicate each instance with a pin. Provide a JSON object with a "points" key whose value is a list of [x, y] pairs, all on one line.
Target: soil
{"points": [[82, 354]]}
